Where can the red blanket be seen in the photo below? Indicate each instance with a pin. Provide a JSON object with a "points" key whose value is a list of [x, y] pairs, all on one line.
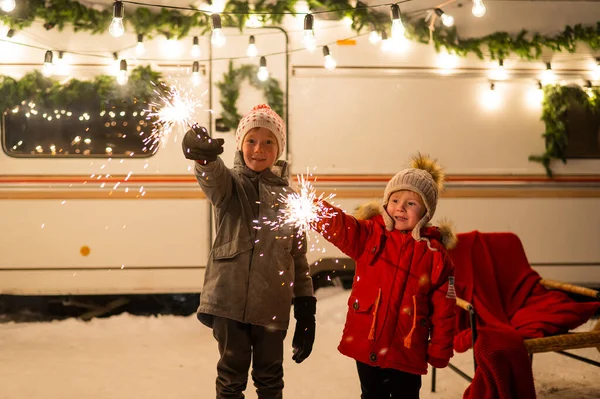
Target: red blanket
{"points": [[492, 273]]}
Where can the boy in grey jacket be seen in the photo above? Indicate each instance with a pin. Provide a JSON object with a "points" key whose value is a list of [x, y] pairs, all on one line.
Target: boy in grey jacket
{"points": [[254, 271]]}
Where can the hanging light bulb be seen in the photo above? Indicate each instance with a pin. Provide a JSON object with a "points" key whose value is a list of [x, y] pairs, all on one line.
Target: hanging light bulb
{"points": [[61, 67], [491, 98], [263, 72], [535, 95], [122, 76], [330, 63], [8, 5], [140, 49], [478, 9], [310, 43], [386, 45], [116, 28], [447, 20], [195, 48], [374, 36], [10, 33], [218, 38], [499, 73], [548, 76], [398, 29], [48, 67], [252, 50], [196, 78]]}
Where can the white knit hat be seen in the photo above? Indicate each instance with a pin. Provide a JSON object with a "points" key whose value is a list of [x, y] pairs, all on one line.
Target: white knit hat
{"points": [[262, 116], [426, 178]]}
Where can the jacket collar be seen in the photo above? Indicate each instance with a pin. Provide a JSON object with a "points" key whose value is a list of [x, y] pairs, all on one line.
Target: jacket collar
{"points": [[278, 174]]}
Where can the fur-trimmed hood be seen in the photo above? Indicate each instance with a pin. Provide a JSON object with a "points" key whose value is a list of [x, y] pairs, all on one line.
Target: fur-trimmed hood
{"points": [[447, 233]]}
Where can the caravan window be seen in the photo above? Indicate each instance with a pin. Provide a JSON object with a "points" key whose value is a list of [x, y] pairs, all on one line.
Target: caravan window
{"points": [[31, 131]]}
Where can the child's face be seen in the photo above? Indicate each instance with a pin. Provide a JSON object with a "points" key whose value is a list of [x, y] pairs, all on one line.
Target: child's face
{"points": [[406, 209], [260, 149]]}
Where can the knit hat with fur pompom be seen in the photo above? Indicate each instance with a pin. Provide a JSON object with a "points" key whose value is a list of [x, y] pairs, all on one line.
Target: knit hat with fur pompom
{"points": [[424, 177], [262, 116]]}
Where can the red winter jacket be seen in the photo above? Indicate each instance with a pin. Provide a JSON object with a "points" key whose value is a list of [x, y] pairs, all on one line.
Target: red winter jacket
{"points": [[399, 315]]}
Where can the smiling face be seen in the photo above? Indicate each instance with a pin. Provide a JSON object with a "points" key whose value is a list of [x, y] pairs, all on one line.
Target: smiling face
{"points": [[406, 208], [260, 149]]}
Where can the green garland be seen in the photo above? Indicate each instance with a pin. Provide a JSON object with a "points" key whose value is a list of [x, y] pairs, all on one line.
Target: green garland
{"points": [[229, 88], [557, 100], [101, 93], [177, 24]]}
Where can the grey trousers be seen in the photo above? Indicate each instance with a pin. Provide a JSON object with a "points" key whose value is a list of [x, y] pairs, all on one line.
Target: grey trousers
{"points": [[241, 344]]}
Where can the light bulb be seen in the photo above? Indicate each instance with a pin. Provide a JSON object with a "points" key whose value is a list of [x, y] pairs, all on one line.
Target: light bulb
{"points": [[116, 28], [196, 53], [8, 5], [397, 29], [491, 98], [447, 20], [478, 9], [263, 74], [122, 77], [386, 44], [140, 49], [252, 50], [218, 38], [374, 37], [535, 96], [499, 73], [310, 42], [47, 69], [330, 63], [62, 66], [548, 76], [196, 78]]}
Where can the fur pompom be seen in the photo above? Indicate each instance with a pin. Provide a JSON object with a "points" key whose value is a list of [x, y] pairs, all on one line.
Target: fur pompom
{"points": [[430, 166]]}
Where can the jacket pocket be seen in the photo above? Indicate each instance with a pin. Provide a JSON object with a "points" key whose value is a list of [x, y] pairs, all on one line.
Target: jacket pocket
{"points": [[418, 335], [365, 305], [231, 249]]}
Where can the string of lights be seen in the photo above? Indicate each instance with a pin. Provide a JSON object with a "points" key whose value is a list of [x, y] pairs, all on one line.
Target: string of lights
{"points": [[395, 42]]}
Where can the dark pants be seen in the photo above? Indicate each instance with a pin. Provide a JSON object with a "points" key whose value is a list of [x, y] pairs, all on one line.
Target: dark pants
{"points": [[240, 344], [378, 383]]}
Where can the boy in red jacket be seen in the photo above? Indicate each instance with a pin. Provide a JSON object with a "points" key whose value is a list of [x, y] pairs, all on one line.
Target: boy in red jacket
{"points": [[401, 309]]}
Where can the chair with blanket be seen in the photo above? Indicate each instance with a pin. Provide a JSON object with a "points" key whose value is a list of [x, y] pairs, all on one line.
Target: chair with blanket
{"points": [[512, 313]]}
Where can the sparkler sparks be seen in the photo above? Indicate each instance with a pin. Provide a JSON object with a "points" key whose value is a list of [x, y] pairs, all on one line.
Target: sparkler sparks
{"points": [[304, 208], [175, 107]]}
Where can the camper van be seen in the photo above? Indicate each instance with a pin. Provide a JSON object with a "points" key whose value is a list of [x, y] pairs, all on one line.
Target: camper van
{"points": [[88, 210]]}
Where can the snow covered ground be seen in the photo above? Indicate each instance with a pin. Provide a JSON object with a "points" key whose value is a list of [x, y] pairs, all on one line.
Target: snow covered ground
{"points": [[174, 357]]}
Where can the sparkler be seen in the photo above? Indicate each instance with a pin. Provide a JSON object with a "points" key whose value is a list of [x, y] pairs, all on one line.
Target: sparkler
{"points": [[175, 107], [304, 209]]}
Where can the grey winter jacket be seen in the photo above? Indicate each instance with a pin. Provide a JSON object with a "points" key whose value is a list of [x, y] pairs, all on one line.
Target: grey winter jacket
{"points": [[253, 270]]}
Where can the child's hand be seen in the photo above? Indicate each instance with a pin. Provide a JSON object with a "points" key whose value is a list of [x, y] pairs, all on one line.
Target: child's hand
{"points": [[437, 363], [304, 334], [198, 146]]}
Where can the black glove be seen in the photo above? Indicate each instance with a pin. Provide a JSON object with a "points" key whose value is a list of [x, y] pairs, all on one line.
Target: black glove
{"points": [[198, 146], [305, 308]]}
